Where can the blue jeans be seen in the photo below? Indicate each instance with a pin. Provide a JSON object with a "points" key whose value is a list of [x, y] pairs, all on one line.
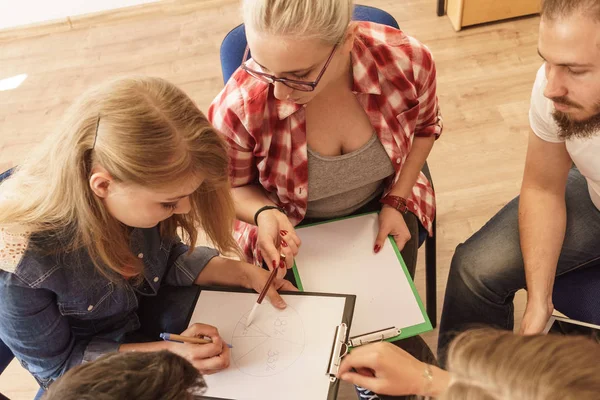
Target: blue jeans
{"points": [[487, 270]]}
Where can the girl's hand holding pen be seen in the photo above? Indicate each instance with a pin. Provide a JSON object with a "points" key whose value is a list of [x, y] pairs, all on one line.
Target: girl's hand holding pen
{"points": [[207, 358]]}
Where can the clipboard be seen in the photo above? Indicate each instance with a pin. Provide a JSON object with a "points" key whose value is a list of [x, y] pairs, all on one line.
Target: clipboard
{"points": [[316, 239], [335, 343]]}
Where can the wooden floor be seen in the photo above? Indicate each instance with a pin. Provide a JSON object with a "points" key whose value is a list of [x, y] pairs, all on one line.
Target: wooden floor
{"points": [[485, 75]]}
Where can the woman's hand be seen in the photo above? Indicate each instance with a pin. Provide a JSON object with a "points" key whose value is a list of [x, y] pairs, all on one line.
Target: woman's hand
{"points": [[391, 222], [384, 369], [207, 358], [276, 236], [257, 278]]}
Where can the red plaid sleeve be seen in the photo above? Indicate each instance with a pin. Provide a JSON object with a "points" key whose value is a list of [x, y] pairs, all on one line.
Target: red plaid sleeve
{"points": [[226, 113], [429, 121]]}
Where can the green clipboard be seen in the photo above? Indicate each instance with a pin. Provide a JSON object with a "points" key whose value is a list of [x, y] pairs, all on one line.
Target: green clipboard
{"points": [[405, 332]]}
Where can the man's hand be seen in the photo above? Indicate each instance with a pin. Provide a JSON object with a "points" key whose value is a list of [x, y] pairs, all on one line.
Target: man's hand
{"points": [[537, 314]]}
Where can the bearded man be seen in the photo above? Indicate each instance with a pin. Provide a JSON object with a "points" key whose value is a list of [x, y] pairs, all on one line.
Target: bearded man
{"points": [[553, 228]]}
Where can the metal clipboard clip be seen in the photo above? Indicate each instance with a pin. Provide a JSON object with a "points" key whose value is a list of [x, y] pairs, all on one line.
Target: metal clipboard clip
{"points": [[339, 349], [372, 337]]}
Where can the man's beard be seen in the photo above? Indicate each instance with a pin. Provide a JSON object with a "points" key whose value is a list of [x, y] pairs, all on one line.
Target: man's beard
{"points": [[569, 128]]}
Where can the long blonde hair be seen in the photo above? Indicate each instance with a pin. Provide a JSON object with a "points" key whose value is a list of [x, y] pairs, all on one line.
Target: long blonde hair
{"points": [[151, 134], [489, 364], [325, 20]]}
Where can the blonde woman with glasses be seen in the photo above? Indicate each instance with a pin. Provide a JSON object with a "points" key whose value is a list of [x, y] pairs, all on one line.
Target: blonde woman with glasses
{"points": [[327, 118], [89, 232]]}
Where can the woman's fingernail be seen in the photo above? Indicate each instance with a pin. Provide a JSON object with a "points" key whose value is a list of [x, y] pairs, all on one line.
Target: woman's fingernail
{"points": [[274, 264], [282, 264], [284, 244], [377, 248], [283, 233]]}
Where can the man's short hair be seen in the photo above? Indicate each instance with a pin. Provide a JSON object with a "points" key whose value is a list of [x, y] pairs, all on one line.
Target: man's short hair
{"points": [[137, 375], [552, 9]]}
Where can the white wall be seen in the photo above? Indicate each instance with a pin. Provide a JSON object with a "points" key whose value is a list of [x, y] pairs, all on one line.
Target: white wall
{"points": [[23, 12]]}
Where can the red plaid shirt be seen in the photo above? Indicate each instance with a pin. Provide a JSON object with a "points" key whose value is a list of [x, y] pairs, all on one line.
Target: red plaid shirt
{"points": [[394, 81]]}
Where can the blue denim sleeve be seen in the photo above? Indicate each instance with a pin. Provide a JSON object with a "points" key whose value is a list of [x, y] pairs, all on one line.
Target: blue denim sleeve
{"points": [[183, 267], [38, 335]]}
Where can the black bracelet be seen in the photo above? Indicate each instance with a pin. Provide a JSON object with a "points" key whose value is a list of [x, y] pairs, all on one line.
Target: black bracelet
{"points": [[265, 208]]}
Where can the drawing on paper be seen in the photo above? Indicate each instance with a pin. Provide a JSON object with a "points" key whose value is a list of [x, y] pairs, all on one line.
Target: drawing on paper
{"points": [[273, 342]]}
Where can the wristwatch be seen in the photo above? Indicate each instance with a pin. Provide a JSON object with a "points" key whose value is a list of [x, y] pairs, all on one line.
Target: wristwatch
{"points": [[395, 202]]}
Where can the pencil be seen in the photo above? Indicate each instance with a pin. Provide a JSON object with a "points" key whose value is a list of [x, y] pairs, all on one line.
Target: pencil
{"points": [[261, 296], [172, 337]]}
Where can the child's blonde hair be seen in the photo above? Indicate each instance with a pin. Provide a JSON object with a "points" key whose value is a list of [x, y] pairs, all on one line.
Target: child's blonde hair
{"points": [[150, 134], [489, 364], [325, 20]]}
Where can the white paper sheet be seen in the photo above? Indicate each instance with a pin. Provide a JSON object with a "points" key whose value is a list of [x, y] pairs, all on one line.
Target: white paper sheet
{"points": [[338, 257], [284, 354]]}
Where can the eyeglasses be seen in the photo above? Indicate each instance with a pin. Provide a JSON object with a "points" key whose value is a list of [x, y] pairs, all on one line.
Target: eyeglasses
{"points": [[303, 86]]}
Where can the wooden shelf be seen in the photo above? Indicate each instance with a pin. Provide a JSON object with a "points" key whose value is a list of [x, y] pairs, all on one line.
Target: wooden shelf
{"points": [[472, 12]]}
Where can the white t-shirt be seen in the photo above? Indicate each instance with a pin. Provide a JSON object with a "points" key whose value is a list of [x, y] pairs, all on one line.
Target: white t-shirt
{"points": [[585, 152]]}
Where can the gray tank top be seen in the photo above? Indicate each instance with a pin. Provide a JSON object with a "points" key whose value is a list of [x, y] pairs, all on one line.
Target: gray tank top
{"points": [[340, 185]]}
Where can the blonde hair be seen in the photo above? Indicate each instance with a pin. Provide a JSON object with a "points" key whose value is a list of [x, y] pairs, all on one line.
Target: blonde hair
{"points": [[489, 364], [325, 20], [150, 134]]}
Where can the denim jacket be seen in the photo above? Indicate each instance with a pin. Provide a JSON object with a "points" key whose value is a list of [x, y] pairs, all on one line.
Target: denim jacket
{"points": [[57, 311]]}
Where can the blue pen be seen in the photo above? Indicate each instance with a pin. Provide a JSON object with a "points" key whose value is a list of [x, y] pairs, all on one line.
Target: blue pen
{"points": [[172, 337]]}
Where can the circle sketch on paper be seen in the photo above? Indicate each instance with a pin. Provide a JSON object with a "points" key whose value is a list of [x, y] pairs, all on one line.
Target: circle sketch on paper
{"points": [[271, 344]]}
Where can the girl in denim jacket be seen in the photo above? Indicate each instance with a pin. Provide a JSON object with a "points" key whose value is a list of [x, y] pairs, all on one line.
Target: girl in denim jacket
{"points": [[91, 259]]}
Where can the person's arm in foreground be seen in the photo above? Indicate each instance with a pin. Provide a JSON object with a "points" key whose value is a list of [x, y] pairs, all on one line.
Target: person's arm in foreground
{"points": [[542, 223], [388, 370]]}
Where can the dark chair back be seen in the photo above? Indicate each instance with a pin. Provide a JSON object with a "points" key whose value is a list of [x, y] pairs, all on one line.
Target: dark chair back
{"points": [[6, 356], [576, 294]]}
